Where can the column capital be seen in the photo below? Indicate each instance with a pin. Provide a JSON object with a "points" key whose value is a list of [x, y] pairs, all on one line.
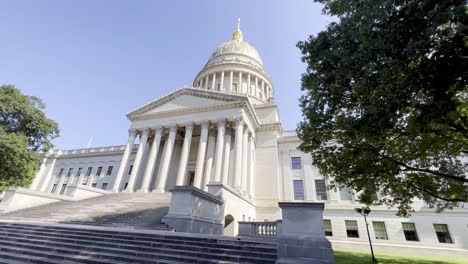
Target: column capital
{"points": [[239, 121], [172, 127], [205, 123], [246, 130], [221, 122], [145, 130], [158, 129], [189, 125], [132, 132]]}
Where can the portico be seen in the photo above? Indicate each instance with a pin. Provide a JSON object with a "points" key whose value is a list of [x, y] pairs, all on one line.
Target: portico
{"points": [[207, 142]]}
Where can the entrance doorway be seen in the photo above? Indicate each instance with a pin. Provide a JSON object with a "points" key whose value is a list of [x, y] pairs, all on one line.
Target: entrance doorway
{"points": [[191, 178], [229, 225]]}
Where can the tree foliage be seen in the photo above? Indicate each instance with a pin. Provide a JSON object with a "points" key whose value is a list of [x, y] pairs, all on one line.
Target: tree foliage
{"points": [[24, 132], [385, 102]]}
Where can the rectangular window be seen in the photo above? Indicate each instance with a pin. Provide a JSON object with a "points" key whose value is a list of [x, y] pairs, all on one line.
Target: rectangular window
{"points": [[328, 227], [234, 87], [442, 233], [321, 190], [379, 230], [54, 188], [130, 170], [351, 228], [409, 229], [98, 173], [69, 172], [345, 194], [109, 170], [78, 173], [104, 186], [60, 173], [94, 184], [90, 169], [63, 189], [298, 190], [126, 184], [296, 163]]}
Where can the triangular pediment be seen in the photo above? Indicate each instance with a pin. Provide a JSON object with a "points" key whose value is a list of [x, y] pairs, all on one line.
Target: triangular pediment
{"points": [[186, 99]]}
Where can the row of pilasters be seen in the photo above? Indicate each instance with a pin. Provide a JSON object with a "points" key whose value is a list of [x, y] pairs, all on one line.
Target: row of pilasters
{"points": [[233, 81], [213, 162]]}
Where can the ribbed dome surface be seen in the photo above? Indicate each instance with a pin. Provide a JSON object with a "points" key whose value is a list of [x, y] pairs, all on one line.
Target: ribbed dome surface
{"points": [[237, 47]]}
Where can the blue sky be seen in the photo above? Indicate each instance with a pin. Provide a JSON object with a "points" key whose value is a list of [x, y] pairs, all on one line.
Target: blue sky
{"points": [[93, 61]]}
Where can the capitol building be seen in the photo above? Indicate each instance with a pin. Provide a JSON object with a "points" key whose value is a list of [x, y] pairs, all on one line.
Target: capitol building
{"points": [[222, 142]]}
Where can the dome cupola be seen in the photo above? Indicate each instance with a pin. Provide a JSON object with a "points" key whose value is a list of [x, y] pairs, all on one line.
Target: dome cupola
{"points": [[236, 67]]}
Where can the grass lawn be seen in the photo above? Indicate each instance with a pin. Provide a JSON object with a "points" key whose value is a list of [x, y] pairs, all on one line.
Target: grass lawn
{"points": [[354, 257]]}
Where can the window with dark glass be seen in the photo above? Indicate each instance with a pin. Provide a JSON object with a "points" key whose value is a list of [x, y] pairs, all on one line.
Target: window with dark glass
{"points": [[296, 163], [63, 189], [99, 170], [328, 227], [109, 170], [321, 190], [345, 194], [409, 229], [104, 186], [379, 230], [90, 169], [442, 233], [53, 188], [60, 172], [94, 185], [351, 228], [69, 172], [78, 173], [298, 190], [130, 170]]}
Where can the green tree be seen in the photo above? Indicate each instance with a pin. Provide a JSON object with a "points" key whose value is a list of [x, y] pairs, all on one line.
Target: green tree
{"points": [[25, 132], [385, 100]]}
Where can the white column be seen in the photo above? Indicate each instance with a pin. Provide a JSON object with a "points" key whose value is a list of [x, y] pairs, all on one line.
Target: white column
{"points": [[245, 160], [138, 159], [263, 90], [201, 154], [205, 83], [251, 183], [185, 155], [209, 158], [256, 86], [166, 159], [213, 82], [248, 84], [230, 82], [40, 174], [124, 162], [153, 154], [221, 88], [238, 146], [239, 86], [45, 185], [227, 153], [219, 150]]}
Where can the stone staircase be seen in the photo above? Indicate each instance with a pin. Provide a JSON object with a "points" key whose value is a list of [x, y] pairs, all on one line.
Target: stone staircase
{"points": [[135, 210], [60, 243]]}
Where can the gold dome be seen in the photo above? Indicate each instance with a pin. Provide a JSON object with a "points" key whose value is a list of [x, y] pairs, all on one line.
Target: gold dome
{"points": [[237, 46]]}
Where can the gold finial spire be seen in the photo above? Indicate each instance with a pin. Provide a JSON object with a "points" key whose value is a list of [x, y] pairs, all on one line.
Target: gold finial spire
{"points": [[237, 35]]}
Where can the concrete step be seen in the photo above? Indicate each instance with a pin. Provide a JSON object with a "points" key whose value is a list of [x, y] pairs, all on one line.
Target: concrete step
{"points": [[110, 245], [19, 255], [118, 234], [43, 238]]}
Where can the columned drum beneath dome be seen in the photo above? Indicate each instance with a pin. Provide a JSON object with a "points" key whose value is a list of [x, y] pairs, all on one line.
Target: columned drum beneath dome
{"points": [[236, 67]]}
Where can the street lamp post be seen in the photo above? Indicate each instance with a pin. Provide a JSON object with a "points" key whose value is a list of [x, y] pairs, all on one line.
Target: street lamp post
{"points": [[365, 211]]}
